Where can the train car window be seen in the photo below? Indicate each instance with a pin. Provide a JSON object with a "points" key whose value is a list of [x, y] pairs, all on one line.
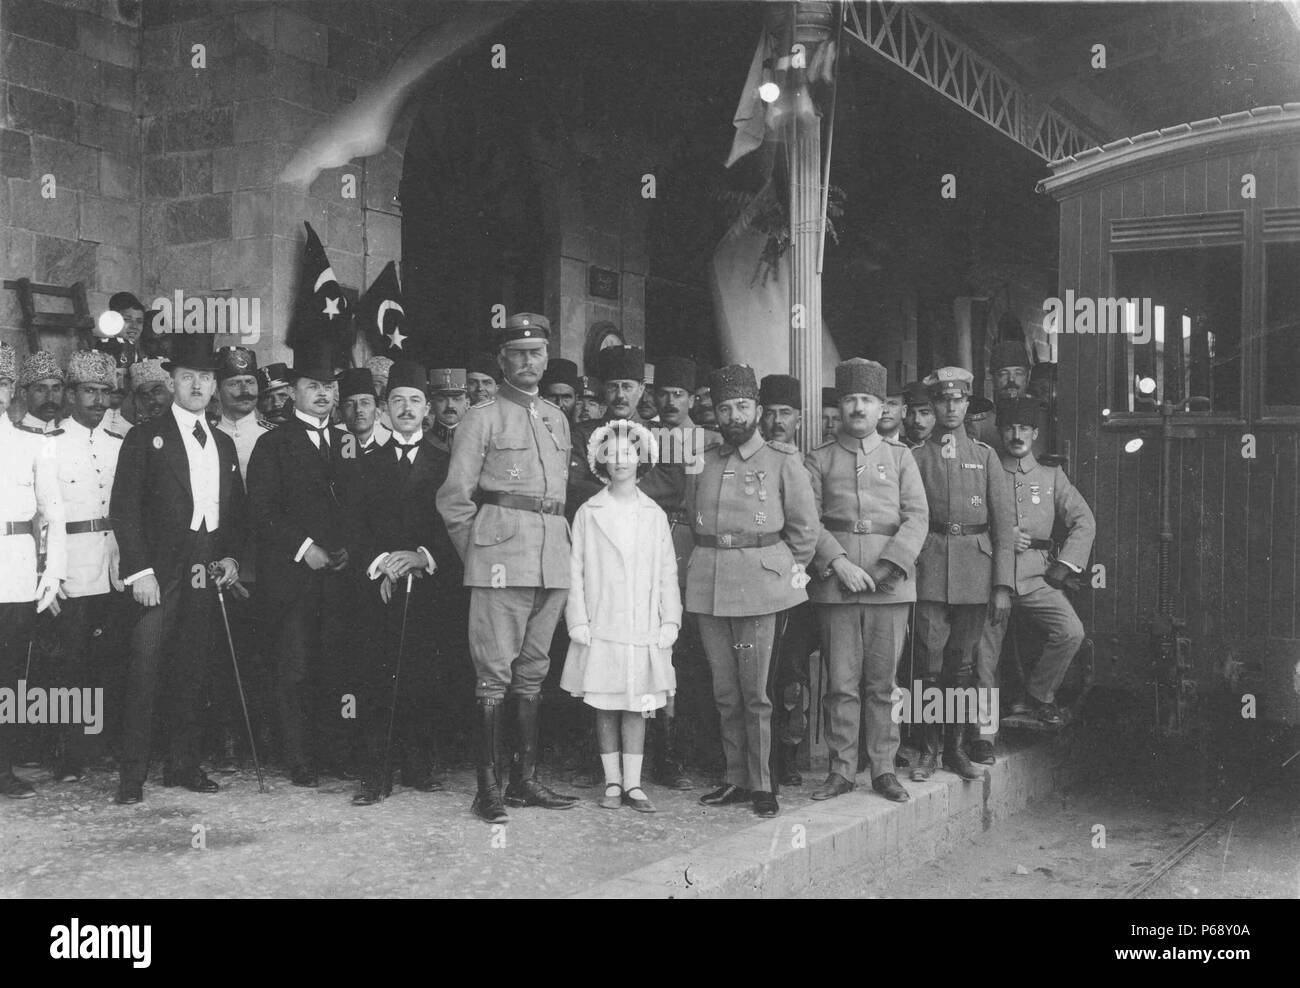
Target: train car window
{"points": [[1280, 356], [1181, 338]]}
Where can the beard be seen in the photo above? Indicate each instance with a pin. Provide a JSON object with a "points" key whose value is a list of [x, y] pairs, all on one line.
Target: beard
{"points": [[738, 433]]}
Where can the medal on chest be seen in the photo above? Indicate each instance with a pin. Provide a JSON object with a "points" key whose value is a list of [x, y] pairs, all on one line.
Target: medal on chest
{"points": [[1035, 491], [976, 501], [762, 489], [760, 517]]}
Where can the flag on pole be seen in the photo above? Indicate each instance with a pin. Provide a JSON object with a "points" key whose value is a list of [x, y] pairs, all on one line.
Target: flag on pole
{"points": [[322, 312], [381, 317]]}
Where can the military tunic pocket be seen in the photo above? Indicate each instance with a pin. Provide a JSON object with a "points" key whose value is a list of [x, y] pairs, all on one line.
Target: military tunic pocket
{"points": [[495, 525], [985, 544]]}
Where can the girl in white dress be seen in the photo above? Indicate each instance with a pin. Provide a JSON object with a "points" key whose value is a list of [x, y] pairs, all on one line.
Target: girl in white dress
{"points": [[624, 608]]}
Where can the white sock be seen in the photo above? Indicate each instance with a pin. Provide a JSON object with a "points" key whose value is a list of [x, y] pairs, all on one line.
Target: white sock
{"points": [[632, 772], [610, 763]]}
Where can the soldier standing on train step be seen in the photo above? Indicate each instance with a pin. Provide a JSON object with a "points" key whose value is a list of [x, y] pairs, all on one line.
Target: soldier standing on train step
{"points": [[755, 532], [1043, 494], [503, 504], [965, 570]]}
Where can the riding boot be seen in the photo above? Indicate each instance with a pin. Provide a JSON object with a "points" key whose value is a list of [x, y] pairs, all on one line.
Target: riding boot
{"points": [[487, 802], [954, 756], [927, 739], [524, 789], [669, 768]]}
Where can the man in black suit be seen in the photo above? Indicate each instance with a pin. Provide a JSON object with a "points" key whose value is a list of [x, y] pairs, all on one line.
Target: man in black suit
{"points": [[300, 478], [178, 505], [401, 536]]}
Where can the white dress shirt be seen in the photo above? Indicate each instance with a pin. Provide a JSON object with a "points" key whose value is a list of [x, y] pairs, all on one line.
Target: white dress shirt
{"points": [[205, 469], [396, 444], [313, 425]]}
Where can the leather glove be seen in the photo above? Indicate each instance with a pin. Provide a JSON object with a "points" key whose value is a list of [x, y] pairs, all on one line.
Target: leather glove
{"points": [[667, 635], [884, 575], [581, 634], [1058, 575]]}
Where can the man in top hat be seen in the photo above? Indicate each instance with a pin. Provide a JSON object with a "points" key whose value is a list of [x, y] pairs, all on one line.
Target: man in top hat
{"points": [[503, 503], [874, 519], [755, 531], [918, 419], [177, 506], [965, 570], [560, 385], [41, 379], [275, 395], [796, 630], [361, 409], [622, 368], [300, 480], [830, 414], [591, 401], [481, 378], [892, 409], [449, 399], [401, 534], [29, 483], [87, 454], [1043, 495]]}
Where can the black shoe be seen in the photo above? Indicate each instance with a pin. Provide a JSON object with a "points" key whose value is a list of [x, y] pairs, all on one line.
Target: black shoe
{"points": [[835, 785], [929, 745], [765, 804], [530, 792], [955, 758], [369, 794], [487, 801], [889, 787], [1046, 713], [15, 788], [981, 751], [68, 772], [726, 796], [129, 793], [194, 779], [303, 776]]}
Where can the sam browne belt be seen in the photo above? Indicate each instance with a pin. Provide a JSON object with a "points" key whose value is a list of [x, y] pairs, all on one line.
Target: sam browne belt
{"points": [[942, 528], [522, 502]]}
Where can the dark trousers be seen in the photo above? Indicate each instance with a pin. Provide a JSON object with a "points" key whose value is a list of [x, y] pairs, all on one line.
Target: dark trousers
{"points": [[311, 666], [15, 635], [170, 642], [946, 636], [793, 675], [228, 714], [90, 655]]}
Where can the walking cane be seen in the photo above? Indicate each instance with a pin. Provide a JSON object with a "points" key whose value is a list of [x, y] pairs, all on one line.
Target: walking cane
{"points": [[214, 572], [386, 778]]}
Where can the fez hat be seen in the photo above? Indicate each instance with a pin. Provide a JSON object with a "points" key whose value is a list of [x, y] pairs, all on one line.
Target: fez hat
{"points": [[1008, 353], [314, 360], [916, 393], [733, 381], [859, 376], [235, 361], [1020, 411], [950, 382], [272, 376], [779, 389], [829, 398], [524, 329], [408, 374], [356, 381], [675, 372], [560, 370], [621, 363], [192, 351], [447, 381]]}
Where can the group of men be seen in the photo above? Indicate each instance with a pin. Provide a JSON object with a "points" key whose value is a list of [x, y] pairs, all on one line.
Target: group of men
{"points": [[361, 528]]}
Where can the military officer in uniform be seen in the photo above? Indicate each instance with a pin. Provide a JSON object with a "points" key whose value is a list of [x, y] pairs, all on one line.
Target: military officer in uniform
{"points": [[177, 506], [503, 504], [756, 528], [918, 420], [87, 456], [874, 518], [1009, 368], [275, 394], [29, 482], [361, 409], [1043, 495], [830, 414], [237, 389], [591, 401], [41, 379], [965, 570], [449, 400]]}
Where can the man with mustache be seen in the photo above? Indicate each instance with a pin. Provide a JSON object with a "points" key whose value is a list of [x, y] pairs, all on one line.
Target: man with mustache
{"points": [[1043, 495], [41, 379], [622, 368], [300, 479], [29, 483], [361, 409], [874, 519], [796, 631], [274, 395], [918, 422], [151, 389], [830, 414], [560, 385], [966, 567], [503, 504], [756, 529], [646, 409], [481, 377], [590, 404], [449, 399], [87, 453], [702, 410], [1009, 369], [178, 505], [892, 409]]}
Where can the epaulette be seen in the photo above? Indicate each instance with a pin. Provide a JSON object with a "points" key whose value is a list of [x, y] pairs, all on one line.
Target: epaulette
{"points": [[553, 405], [39, 432], [979, 442], [110, 432], [781, 447], [825, 442]]}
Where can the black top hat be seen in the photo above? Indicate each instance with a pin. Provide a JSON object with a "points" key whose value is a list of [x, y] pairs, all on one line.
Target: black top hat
{"points": [[313, 360], [193, 351]]}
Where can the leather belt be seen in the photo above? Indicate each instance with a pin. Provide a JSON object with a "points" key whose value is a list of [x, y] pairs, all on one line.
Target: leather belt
{"points": [[92, 525], [1041, 544], [522, 502], [940, 528], [19, 528], [861, 526], [744, 540]]}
